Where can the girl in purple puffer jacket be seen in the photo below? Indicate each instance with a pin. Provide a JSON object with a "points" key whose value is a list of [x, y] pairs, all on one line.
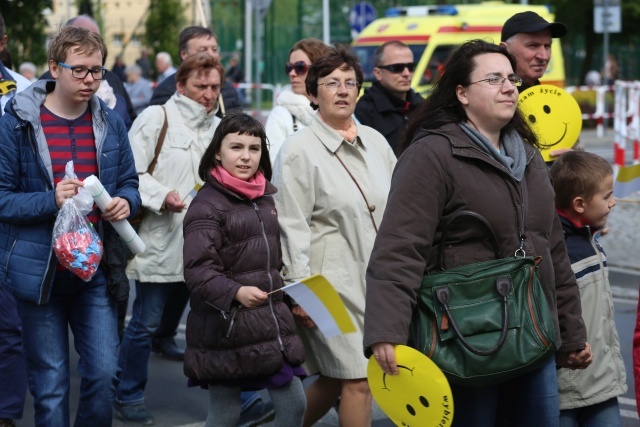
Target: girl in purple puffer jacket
{"points": [[240, 335]]}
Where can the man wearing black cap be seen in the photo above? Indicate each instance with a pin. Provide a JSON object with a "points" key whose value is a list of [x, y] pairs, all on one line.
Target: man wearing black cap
{"points": [[527, 36]]}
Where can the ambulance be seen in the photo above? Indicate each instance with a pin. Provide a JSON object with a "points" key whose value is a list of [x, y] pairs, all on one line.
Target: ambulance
{"points": [[432, 32]]}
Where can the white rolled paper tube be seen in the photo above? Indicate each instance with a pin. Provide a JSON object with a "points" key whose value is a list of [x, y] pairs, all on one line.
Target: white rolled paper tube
{"points": [[124, 229]]}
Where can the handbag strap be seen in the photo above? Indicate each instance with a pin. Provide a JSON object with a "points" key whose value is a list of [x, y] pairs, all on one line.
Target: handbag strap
{"points": [[221, 104], [163, 134], [478, 217], [370, 208], [521, 220]]}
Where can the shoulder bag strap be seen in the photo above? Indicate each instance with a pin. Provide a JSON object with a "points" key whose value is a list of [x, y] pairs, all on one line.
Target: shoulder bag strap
{"points": [[472, 214], [521, 220], [370, 208], [221, 104], [163, 134]]}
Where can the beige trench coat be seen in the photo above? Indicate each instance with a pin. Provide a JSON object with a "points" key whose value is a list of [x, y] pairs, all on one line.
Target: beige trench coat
{"points": [[189, 133], [326, 227]]}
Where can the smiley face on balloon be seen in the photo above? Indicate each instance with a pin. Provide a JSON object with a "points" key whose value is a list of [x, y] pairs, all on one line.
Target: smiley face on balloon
{"points": [[418, 396], [554, 115]]}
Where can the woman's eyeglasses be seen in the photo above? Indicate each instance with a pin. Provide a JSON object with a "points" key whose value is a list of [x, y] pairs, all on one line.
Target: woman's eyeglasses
{"points": [[499, 80], [300, 67], [398, 68], [333, 85]]}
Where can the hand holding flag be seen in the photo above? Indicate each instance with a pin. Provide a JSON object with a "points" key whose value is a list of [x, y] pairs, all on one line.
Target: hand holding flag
{"points": [[323, 304]]}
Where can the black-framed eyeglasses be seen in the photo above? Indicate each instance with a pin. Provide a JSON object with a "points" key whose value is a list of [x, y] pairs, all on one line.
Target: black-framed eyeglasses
{"points": [[499, 80], [333, 85], [399, 67], [81, 73], [300, 67]]}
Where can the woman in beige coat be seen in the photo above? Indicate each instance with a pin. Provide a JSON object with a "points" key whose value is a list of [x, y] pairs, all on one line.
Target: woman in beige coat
{"points": [[329, 228]]}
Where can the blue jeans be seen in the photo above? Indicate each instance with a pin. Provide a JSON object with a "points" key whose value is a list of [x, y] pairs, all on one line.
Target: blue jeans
{"points": [[603, 414], [13, 372], [135, 349], [91, 313], [530, 400]]}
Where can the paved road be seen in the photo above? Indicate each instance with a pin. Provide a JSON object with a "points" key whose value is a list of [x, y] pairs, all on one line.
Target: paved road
{"points": [[173, 404]]}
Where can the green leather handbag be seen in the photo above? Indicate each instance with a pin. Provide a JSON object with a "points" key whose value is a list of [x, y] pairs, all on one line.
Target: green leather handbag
{"points": [[486, 322]]}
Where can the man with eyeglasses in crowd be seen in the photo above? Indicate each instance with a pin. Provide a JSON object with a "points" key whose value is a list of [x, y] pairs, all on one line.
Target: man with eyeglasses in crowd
{"points": [[45, 126], [388, 103], [194, 40]]}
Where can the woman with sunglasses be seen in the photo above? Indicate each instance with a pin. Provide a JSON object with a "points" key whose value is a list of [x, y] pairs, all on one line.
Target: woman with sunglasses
{"points": [[469, 148], [294, 111], [333, 178]]}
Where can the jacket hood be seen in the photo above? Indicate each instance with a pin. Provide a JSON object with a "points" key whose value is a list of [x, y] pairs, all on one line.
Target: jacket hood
{"points": [[26, 104], [297, 105], [192, 112]]}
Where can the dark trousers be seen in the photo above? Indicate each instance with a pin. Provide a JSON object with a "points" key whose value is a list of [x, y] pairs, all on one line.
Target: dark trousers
{"points": [[172, 312], [13, 371]]}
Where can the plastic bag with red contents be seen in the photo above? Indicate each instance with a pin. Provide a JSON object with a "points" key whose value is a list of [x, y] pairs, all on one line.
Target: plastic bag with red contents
{"points": [[75, 242]]}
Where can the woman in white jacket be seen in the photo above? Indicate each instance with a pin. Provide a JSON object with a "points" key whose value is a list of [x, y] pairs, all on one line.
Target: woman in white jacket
{"points": [[294, 111], [166, 193]]}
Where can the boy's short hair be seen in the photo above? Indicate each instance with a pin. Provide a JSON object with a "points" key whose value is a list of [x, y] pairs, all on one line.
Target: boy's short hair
{"points": [[81, 39], [578, 174]]}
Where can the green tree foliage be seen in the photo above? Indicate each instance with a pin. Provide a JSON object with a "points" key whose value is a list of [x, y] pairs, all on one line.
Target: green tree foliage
{"points": [[164, 22], [25, 27]]}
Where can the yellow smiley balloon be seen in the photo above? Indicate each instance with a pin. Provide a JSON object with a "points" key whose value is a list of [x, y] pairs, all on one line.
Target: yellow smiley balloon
{"points": [[419, 396], [554, 115]]}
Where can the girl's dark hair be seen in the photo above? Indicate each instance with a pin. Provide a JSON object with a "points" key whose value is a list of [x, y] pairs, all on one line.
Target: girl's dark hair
{"points": [[442, 105], [339, 57], [240, 123]]}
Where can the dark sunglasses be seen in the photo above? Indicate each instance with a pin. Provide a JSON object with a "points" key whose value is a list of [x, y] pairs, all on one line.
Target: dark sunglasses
{"points": [[301, 67], [398, 68]]}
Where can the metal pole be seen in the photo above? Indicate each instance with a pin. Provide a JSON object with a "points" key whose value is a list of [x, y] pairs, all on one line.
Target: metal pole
{"points": [[605, 31], [326, 29], [248, 47], [258, 59]]}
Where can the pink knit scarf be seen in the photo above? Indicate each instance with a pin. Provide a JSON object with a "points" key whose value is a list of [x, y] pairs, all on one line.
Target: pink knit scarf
{"points": [[251, 189]]}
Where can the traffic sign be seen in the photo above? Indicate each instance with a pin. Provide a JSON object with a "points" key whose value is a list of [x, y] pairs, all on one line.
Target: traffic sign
{"points": [[607, 16], [361, 15]]}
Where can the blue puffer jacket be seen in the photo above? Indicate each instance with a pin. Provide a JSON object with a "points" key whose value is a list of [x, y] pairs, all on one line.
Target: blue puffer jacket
{"points": [[27, 198]]}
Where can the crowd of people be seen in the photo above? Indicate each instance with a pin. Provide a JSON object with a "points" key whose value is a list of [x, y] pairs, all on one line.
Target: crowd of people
{"points": [[231, 211]]}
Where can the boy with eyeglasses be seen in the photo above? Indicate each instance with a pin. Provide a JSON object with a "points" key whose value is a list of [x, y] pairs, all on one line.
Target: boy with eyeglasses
{"points": [[388, 103], [45, 126]]}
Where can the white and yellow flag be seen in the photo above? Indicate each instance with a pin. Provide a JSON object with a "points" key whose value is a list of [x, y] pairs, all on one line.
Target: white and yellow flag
{"points": [[627, 181], [323, 304]]}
